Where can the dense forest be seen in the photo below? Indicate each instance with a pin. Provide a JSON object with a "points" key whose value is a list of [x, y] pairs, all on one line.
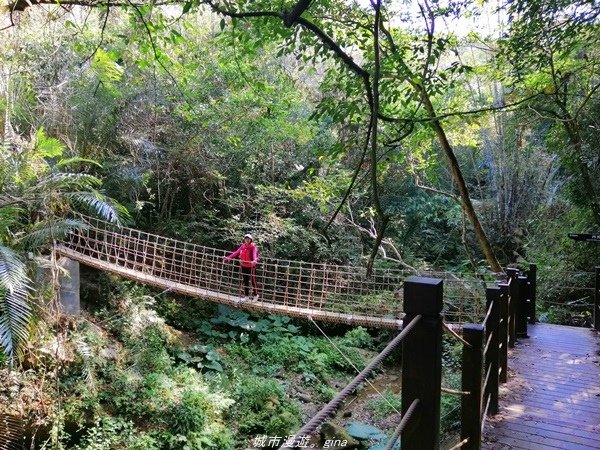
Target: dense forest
{"points": [[423, 135]]}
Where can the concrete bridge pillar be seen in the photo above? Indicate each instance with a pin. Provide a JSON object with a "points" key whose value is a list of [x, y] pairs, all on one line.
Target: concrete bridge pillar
{"points": [[69, 286]]}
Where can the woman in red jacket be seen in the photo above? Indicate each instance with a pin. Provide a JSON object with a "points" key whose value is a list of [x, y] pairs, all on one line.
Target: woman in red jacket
{"points": [[248, 254]]}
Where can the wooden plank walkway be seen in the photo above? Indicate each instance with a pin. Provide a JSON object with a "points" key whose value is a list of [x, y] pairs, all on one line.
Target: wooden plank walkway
{"points": [[552, 398]]}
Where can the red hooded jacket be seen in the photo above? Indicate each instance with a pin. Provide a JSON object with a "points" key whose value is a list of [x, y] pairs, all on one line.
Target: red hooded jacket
{"points": [[248, 254]]}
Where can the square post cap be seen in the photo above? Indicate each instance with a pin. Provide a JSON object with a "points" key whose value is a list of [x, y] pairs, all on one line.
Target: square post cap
{"points": [[423, 295]]}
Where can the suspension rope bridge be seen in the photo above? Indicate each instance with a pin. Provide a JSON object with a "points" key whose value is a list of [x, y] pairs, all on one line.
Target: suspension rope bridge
{"points": [[344, 294], [327, 292]]}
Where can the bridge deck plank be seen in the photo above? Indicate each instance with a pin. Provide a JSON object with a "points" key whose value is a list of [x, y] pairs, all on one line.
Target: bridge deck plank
{"points": [[552, 398]]}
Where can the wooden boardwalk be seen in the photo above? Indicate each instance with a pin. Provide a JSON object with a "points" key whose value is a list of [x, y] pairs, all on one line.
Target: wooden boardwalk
{"points": [[552, 398]]}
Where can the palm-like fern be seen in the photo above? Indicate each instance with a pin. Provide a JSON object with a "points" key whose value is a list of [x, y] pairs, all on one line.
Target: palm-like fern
{"points": [[14, 309], [38, 196]]}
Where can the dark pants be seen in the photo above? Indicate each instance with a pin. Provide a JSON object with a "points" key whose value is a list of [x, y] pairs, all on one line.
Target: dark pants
{"points": [[249, 273]]}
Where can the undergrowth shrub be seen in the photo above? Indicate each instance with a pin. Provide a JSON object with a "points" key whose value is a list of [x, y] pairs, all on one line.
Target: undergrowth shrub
{"points": [[264, 408], [187, 415], [357, 337]]}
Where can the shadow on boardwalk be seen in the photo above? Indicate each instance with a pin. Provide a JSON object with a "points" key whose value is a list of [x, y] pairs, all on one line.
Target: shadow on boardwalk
{"points": [[552, 398]]}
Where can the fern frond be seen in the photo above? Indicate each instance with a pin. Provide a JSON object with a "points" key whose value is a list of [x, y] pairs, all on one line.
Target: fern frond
{"points": [[76, 160], [99, 204], [13, 274], [105, 66], [47, 231], [9, 200], [83, 348], [87, 354], [65, 182], [15, 314], [47, 147], [9, 216]]}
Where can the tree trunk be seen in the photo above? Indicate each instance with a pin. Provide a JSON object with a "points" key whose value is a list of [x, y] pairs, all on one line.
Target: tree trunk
{"points": [[461, 185]]}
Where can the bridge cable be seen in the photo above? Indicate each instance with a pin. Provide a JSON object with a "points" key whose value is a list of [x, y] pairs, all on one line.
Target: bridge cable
{"points": [[460, 444], [455, 334], [334, 404], [402, 425], [352, 364]]}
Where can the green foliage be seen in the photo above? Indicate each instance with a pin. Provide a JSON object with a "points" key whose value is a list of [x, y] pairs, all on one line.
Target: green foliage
{"points": [[208, 135], [15, 311], [385, 404], [203, 357], [152, 355], [216, 438], [31, 177], [238, 325], [188, 415], [264, 408], [450, 403], [108, 71], [107, 433], [450, 413], [358, 337], [451, 354], [274, 343], [567, 314]]}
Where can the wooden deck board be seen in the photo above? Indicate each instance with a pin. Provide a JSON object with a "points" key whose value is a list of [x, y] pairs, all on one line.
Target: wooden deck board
{"points": [[552, 398]]}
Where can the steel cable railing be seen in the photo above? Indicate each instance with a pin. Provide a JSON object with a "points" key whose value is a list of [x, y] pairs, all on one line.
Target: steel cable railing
{"points": [[332, 407], [406, 419]]}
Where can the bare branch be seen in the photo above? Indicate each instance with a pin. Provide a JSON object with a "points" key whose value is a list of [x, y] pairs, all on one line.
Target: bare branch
{"points": [[352, 181], [101, 35], [437, 191]]}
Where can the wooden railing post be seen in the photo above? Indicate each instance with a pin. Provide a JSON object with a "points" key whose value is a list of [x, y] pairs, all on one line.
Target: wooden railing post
{"points": [[422, 362], [513, 292], [492, 356], [503, 333], [532, 279], [522, 308], [472, 366], [597, 300]]}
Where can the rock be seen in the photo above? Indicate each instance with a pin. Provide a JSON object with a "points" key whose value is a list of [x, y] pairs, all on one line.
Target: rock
{"points": [[304, 397], [364, 432], [336, 437]]}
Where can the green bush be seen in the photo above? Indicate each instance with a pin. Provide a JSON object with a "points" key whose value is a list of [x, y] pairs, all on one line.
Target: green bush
{"points": [[188, 415], [358, 337], [264, 408], [106, 434], [216, 438], [556, 314], [144, 441], [152, 353], [122, 393]]}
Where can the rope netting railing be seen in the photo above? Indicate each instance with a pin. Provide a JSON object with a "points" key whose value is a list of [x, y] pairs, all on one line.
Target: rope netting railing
{"points": [[291, 285], [342, 293]]}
